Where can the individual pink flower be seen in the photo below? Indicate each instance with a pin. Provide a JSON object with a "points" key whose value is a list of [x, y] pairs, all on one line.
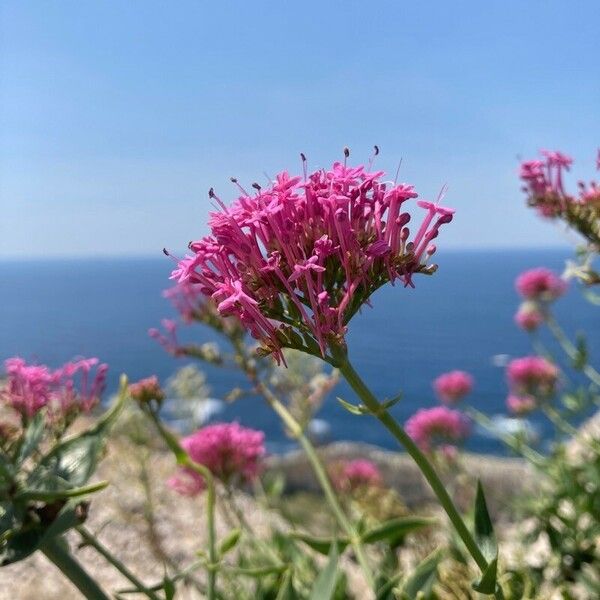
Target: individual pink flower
{"points": [[521, 404], [147, 390], [168, 340], [294, 261], [73, 387], [533, 375], [231, 452], [453, 386], [540, 284], [529, 317], [432, 428], [355, 475]]}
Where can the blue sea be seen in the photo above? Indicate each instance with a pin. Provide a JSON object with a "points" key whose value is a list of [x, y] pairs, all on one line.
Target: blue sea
{"points": [[461, 318]]}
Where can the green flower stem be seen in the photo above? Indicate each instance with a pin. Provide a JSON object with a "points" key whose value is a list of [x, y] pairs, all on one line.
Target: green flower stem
{"points": [[567, 428], [185, 461], [511, 441], [373, 405], [57, 551], [92, 541], [570, 350], [296, 431]]}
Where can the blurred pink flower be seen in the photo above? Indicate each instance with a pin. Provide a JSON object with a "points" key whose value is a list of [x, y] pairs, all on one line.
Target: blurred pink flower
{"points": [[70, 388], [540, 284], [432, 428], [305, 253], [353, 475], [146, 390], [231, 452], [529, 317], [520, 405], [532, 375], [453, 386]]}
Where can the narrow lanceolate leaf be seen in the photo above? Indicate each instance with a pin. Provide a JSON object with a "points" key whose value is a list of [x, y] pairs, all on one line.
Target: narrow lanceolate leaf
{"points": [[326, 582], [352, 408], [322, 545], [229, 542], [394, 530], [486, 540], [419, 584]]}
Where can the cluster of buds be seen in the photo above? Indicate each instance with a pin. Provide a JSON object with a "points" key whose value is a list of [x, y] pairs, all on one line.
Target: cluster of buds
{"points": [[438, 428], [63, 392], [544, 186], [539, 288], [147, 390], [355, 476], [232, 453], [531, 379], [293, 262]]}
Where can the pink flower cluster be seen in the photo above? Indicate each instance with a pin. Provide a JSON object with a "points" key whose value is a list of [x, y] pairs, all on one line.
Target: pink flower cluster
{"points": [[438, 427], [453, 386], [541, 285], [296, 260], [529, 317], [532, 375], [520, 405], [544, 184], [147, 390], [231, 452], [70, 388], [355, 475]]}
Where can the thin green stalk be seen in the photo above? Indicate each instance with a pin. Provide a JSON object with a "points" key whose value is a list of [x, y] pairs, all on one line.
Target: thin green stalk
{"points": [[57, 551], [570, 349], [371, 403], [92, 541], [185, 461], [510, 440], [567, 428], [296, 431]]}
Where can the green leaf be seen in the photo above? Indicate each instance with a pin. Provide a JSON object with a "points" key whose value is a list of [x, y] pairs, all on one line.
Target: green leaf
{"points": [[385, 591], [581, 358], [325, 584], [31, 438], [387, 404], [355, 409], [484, 530], [53, 496], [321, 545], [487, 583], [422, 578], [230, 541], [394, 530], [286, 589]]}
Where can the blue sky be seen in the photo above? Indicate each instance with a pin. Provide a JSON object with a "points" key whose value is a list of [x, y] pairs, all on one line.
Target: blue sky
{"points": [[116, 117]]}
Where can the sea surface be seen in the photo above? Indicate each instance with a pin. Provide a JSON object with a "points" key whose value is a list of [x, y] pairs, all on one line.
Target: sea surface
{"points": [[461, 318]]}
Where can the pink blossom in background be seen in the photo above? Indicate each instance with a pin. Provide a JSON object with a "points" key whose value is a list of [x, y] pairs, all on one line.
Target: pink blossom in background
{"points": [[307, 251], [540, 284], [520, 405], [231, 452], [529, 317], [532, 375], [168, 340], [353, 475], [72, 387], [431, 428], [146, 390], [453, 386]]}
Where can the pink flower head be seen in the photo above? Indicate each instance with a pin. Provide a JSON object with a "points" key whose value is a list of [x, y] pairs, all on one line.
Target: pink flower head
{"points": [[532, 375], [69, 388], [351, 476], [453, 386], [540, 284], [440, 426], [168, 340], [231, 452], [521, 405], [296, 260], [147, 390], [529, 317]]}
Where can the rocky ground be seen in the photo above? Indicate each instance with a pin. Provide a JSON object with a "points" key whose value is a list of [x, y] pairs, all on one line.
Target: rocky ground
{"points": [[117, 513]]}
